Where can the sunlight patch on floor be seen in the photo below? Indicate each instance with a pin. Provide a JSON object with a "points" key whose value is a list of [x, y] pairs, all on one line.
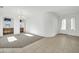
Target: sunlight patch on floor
{"points": [[11, 39], [30, 35]]}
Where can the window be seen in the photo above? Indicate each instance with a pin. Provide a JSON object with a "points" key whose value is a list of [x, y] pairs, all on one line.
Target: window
{"points": [[7, 22], [63, 25], [73, 23]]}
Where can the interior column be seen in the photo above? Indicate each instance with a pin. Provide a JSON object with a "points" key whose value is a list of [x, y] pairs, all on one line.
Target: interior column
{"points": [[16, 26]]}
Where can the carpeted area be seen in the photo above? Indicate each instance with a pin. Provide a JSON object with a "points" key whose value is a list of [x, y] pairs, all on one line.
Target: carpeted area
{"points": [[21, 40]]}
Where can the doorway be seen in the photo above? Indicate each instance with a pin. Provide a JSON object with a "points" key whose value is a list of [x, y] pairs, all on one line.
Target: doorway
{"points": [[22, 26]]}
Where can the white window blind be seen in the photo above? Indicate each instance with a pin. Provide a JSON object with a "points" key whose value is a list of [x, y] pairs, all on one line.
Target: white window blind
{"points": [[63, 25], [73, 23]]}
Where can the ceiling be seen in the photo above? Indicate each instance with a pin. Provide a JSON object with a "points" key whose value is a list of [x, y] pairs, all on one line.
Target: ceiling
{"points": [[58, 9], [62, 10]]}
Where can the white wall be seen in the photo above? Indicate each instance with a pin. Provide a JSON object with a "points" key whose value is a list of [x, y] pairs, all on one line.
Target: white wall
{"points": [[16, 26], [51, 24], [1, 26], [34, 23], [43, 24], [25, 25], [40, 21]]}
